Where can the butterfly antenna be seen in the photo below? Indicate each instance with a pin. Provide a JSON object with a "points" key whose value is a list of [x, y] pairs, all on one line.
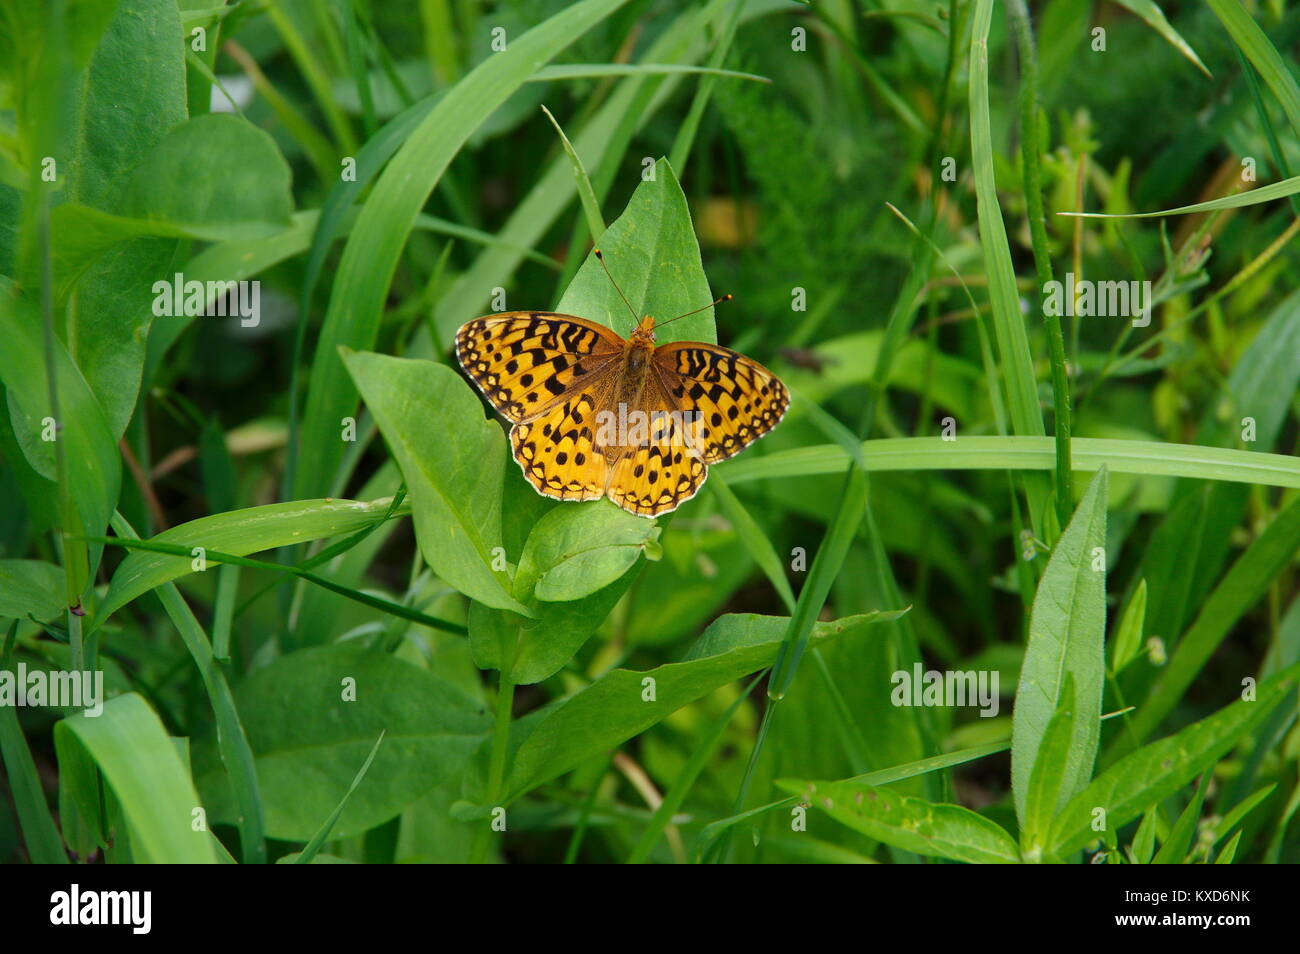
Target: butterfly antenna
{"points": [[697, 310], [601, 258]]}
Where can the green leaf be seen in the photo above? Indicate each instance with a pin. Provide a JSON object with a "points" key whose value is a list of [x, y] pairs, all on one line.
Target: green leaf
{"points": [[130, 96], [310, 851], [912, 824], [1151, 458], [1128, 632], [40, 834], [142, 766], [1176, 846], [1049, 773], [1067, 631], [30, 587], [575, 551], [90, 456], [1008, 323], [453, 460], [1155, 18], [1155, 771], [371, 255], [1263, 55], [1274, 190], [615, 707], [216, 176], [238, 532], [652, 253], [309, 734]]}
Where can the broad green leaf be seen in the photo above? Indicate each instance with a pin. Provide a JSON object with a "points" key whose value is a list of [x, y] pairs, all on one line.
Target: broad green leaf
{"points": [[542, 645], [652, 253], [238, 532], [617, 706], [131, 94], [1049, 774], [370, 257], [142, 766], [30, 587], [576, 550], [216, 178], [453, 460], [312, 718], [90, 457], [216, 175], [912, 824], [1067, 632], [1157, 770]]}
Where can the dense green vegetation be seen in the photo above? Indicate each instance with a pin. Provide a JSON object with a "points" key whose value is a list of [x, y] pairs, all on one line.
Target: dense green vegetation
{"points": [[333, 620]]}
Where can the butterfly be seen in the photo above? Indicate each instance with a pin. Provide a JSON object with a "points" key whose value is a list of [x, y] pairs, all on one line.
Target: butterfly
{"points": [[596, 415]]}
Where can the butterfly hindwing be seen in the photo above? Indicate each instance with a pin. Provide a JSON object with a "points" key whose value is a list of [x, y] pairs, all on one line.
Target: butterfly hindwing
{"points": [[557, 451], [737, 399], [525, 362], [660, 474]]}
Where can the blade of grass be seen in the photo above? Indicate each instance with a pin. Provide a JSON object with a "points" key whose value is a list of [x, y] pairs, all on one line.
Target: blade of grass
{"points": [[312, 847], [236, 754], [40, 834], [1150, 458], [1274, 190], [1254, 42], [359, 596], [705, 744], [1029, 147], [590, 207], [371, 255]]}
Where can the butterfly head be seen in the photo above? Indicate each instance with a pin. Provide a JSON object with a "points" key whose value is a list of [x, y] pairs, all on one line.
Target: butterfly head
{"points": [[644, 333]]}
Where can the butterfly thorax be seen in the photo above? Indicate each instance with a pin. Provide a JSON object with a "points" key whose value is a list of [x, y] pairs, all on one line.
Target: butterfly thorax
{"points": [[630, 383]]}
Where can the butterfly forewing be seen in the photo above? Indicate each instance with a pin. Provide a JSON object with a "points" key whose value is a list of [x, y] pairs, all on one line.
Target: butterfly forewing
{"points": [[737, 399], [525, 362]]}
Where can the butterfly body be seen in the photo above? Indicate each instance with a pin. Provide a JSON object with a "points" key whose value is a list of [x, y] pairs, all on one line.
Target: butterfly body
{"points": [[594, 414]]}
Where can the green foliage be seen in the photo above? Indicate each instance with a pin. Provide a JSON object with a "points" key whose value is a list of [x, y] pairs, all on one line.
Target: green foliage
{"points": [[375, 637]]}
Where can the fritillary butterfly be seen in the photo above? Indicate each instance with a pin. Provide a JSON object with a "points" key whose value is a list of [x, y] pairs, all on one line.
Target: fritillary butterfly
{"points": [[597, 415]]}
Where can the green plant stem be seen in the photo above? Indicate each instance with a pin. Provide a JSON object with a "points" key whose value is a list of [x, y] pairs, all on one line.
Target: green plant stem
{"points": [[497, 763]]}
